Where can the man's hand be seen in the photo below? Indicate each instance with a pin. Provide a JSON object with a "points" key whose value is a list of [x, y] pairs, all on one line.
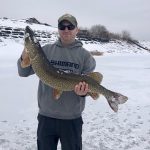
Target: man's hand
{"points": [[81, 89], [25, 59]]}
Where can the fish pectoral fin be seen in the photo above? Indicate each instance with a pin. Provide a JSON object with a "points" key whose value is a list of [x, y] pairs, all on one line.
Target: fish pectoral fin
{"points": [[57, 93], [96, 76], [95, 96]]}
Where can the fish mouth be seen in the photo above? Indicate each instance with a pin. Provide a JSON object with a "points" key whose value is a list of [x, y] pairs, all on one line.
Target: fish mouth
{"points": [[29, 31], [29, 34]]}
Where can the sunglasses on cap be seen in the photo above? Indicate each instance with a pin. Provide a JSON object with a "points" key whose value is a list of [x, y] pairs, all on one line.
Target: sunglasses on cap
{"points": [[63, 27]]}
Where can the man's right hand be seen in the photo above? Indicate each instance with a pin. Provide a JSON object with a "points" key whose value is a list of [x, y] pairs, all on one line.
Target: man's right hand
{"points": [[25, 59]]}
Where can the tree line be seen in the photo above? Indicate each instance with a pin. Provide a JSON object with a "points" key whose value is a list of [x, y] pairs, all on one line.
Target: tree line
{"points": [[100, 33]]}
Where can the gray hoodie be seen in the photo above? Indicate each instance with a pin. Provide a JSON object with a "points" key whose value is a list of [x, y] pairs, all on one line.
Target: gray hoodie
{"points": [[73, 58]]}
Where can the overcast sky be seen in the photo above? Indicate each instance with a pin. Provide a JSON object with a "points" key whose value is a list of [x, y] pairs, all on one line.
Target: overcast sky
{"points": [[115, 15]]}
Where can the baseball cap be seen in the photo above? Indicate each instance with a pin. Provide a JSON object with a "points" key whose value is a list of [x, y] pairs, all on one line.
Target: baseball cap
{"points": [[69, 18]]}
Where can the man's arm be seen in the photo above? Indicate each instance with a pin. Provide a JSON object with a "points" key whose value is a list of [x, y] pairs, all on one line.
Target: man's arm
{"points": [[82, 88]]}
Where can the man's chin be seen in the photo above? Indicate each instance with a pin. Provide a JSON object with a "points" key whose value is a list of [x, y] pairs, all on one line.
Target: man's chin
{"points": [[66, 38]]}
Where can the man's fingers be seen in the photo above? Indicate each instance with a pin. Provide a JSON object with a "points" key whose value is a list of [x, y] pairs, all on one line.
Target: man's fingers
{"points": [[81, 88], [24, 53], [25, 59]]}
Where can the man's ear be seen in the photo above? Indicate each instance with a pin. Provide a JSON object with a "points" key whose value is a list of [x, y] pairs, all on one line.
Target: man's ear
{"points": [[77, 30]]}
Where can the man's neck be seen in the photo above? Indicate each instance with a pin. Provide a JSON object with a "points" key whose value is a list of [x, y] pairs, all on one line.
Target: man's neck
{"points": [[66, 44]]}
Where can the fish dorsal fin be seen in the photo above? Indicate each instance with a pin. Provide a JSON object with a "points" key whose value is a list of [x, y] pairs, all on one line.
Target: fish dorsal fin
{"points": [[57, 93], [96, 76]]}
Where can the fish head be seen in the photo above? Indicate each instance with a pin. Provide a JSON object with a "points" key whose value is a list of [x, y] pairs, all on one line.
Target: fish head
{"points": [[31, 43]]}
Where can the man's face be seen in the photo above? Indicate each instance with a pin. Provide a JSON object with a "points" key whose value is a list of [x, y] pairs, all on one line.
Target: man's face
{"points": [[67, 32]]}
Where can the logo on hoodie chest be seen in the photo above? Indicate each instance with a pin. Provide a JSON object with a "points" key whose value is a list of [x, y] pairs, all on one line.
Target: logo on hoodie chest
{"points": [[66, 65]]}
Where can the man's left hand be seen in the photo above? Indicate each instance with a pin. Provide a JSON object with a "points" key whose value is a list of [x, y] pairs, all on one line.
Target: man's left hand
{"points": [[81, 89]]}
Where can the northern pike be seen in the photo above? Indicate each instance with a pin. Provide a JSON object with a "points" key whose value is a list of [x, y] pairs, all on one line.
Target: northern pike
{"points": [[60, 80]]}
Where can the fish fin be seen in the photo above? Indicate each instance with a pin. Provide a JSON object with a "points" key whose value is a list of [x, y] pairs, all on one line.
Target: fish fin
{"points": [[95, 96], [115, 99], [57, 93], [98, 77]]}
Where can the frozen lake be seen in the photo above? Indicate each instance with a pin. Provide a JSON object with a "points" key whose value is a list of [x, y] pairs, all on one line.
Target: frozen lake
{"points": [[129, 129]]}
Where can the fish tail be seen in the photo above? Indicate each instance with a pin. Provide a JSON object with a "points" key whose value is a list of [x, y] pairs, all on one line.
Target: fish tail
{"points": [[114, 99]]}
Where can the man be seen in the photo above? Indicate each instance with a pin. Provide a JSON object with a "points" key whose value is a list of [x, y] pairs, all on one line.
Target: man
{"points": [[61, 119]]}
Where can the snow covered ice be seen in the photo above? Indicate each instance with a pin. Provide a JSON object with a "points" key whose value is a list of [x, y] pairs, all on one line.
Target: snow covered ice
{"points": [[129, 129], [127, 72]]}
